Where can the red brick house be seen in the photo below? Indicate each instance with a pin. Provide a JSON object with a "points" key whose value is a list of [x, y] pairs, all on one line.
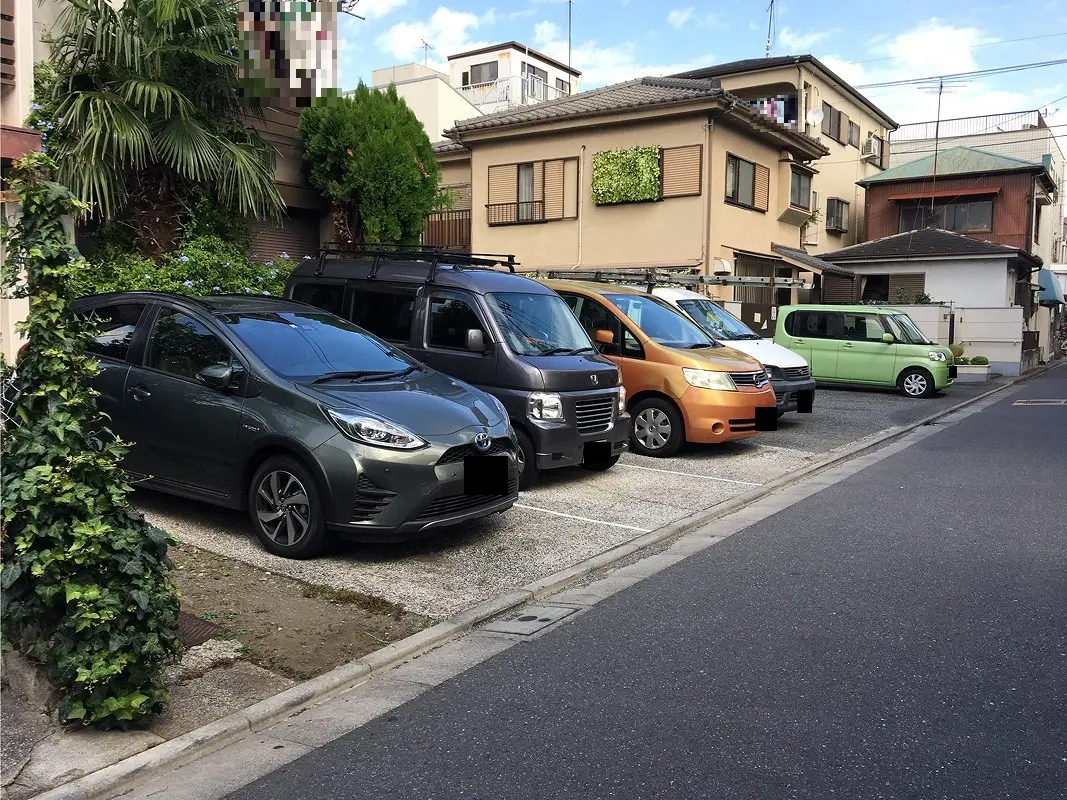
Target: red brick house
{"points": [[976, 193]]}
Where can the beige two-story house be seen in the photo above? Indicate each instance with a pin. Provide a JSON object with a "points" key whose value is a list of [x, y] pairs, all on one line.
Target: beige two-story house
{"points": [[803, 94]]}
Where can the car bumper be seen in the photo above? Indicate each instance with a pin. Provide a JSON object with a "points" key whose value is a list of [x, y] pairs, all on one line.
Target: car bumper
{"points": [[713, 416], [786, 391], [378, 495], [946, 377]]}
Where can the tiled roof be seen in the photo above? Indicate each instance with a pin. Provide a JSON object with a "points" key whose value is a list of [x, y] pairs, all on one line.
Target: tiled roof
{"points": [[447, 147], [634, 94], [817, 263], [756, 64], [954, 161], [926, 243]]}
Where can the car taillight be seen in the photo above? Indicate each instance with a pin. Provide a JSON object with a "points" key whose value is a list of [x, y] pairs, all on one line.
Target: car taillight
{"points": [[22, 351]]}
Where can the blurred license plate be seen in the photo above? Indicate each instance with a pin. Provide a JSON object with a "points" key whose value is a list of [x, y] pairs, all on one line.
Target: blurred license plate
{"points": [[485, 475], [767, 418]]}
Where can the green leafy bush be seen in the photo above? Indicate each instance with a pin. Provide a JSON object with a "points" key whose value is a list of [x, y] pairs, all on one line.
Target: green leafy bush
{"points": [[84, 577], [980, 361], [203, 265], [626, 176], [961, 361]]}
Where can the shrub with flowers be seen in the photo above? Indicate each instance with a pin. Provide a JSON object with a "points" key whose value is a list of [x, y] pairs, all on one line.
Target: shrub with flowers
{"points": [[203, 265]]}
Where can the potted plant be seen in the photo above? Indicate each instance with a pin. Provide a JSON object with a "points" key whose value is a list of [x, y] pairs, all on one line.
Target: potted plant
{"points": [[972, 370]]}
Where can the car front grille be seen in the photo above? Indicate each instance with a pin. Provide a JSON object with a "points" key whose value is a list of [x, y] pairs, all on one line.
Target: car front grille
{"points": [[496, 447], [596, 414], [756, 379], [459, 503], [796, 373], [371, 500]]}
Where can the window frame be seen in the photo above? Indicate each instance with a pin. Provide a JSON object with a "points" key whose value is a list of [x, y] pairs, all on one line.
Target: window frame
{"points": [[346, 306], [836, 222], [794, 174], [854, 141], [939, 215], [164, 310], [730, 157], [427, 327], [563, 86], [485, 64]]}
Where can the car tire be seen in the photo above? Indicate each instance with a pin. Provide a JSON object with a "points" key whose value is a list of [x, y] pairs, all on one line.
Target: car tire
{"points": [[916, 383], [656, 428], [601, 465], [527, 456], [299, 528]]}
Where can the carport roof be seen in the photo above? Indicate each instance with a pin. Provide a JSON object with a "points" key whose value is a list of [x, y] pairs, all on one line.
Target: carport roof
{"points": [[804, 258], [926, 243]]}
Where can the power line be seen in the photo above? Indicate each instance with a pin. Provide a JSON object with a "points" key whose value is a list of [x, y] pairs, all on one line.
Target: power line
{"points": [[963, 75], [820, 162], [973, 46]]}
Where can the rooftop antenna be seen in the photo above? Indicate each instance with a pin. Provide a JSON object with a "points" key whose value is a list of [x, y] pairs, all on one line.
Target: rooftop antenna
{"points": [[347, 6], [426, 48], [770, 29], [569, 5], [940, 87]]}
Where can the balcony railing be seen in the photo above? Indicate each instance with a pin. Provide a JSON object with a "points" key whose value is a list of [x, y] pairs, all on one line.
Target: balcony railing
{"points": [[511, 91], [450, 230], [521, 213]]}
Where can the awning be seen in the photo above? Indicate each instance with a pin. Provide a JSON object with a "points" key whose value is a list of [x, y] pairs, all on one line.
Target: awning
{"points": [[943, 193], [805, 261], [1049, 293]]}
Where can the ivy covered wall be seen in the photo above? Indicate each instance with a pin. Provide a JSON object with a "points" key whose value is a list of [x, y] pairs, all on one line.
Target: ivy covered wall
{"points": [[631, 175]]}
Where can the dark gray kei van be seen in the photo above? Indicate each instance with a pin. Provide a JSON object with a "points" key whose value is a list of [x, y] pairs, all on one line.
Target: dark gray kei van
{"points": [[472, 317]]}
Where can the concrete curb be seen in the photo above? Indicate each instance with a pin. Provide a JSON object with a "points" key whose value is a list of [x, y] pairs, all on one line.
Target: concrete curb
{"points": [[123, 775]]}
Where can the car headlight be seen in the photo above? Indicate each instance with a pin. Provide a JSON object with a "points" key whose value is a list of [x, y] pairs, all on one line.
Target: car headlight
{"points": [[934, 356], [542, 405], [373, 431], [622, 399], [709, 379]]}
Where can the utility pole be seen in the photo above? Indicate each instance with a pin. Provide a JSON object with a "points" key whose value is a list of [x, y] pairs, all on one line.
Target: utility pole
{"points": [[570, 77], [770, 29], [937, 137]]}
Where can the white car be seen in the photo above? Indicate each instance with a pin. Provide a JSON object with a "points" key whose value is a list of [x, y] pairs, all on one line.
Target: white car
{"points": [[790, 374]]}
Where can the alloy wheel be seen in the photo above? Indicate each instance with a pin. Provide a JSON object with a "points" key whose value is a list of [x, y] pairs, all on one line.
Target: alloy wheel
{"points": [[652, 428], [915, 385], [283, 508], [520, 459]]}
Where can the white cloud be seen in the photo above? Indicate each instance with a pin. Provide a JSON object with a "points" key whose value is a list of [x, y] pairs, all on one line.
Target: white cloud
{"points": [[606, 64], [376, 9], [447, 30], [678, 17], [795, 42]]}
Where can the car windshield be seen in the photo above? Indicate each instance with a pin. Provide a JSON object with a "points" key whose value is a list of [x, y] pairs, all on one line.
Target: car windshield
{"points": [[905, 328], [717, 322], [302, 345], [661, 323], [538, 324]]}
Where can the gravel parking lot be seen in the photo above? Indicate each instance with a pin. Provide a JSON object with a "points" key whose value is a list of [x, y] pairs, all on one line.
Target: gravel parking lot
{"points": [[569, 516]]}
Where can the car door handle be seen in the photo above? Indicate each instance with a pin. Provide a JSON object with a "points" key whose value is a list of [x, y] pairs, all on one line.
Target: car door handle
{"points": [[798, 341], [847, 344], [139, 392]]}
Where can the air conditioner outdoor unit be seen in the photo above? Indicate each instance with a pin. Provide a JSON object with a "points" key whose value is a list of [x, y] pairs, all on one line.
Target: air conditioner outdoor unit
{"points": [[869, 149]]}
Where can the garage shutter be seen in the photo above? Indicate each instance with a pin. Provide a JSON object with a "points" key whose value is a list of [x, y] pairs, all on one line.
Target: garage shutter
{"points": [[911, 284], [762, 187], [681, 171], [296, 235]]}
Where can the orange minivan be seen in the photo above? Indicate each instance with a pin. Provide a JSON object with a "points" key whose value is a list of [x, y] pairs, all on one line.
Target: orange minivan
{"points": [[680, 384]]}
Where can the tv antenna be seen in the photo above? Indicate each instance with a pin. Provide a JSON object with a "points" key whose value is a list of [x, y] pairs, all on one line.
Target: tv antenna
{"points": [[772, 33], [426, 48], [348, 7], [938, 87]]}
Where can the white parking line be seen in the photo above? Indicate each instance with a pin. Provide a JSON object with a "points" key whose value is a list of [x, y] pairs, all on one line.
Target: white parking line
{"points": [[582, 519], [690, 475]]}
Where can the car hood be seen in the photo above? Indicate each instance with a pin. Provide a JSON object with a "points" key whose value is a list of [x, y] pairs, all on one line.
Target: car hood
{"points": [[427, 404], [767, 352], [722, 358]]}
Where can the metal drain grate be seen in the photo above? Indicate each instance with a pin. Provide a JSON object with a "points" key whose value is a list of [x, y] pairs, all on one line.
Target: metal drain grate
{"points": [[528, 621], [193, 630]]}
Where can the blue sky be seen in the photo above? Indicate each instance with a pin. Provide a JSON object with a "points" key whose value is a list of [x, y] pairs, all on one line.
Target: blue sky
{"points": [[865, 42]]}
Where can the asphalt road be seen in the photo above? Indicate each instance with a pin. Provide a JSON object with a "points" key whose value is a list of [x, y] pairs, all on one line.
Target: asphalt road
{"points": [[901, 634]]}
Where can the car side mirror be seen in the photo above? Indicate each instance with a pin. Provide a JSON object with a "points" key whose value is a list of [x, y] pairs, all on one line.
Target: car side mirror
{"points": [[476, 340], [221, 376], [888, 338], [604, 337]]}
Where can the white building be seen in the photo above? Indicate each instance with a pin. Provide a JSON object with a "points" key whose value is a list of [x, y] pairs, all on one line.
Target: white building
{"points": [[429, 95], [509, 75], [1024, 135]]}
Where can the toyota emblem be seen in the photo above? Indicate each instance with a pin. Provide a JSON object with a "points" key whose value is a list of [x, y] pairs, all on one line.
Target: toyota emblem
{"points": [[482, 441], [593, 379]]}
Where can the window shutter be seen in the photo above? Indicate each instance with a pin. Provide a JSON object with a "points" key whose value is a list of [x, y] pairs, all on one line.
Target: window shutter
{"points": [[682, 171], [504, 184], [762, 190], [461, 196], [837, 289], [570, 188], [553, 187], [912, 284]]}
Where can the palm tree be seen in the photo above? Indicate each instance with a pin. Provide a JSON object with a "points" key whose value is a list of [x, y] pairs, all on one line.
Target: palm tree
{"points": [[148, 108]]}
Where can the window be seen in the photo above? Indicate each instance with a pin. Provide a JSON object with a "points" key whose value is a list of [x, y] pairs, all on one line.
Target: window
{"points": [[327, 296], [814, 324], [562, 86], [854, 134], [962, 217], [537, 323], [831, 121], [661, 323], [876, 288], [385, 314], [183, 346], [881, 153], [800, 189], [466, 79], [450, 319], [740, 181], [309, 344], [836, 215], [115, 326], [716, 321], [534, 72], [537, 191], [861, 327], [526, 192], [484, 73]]}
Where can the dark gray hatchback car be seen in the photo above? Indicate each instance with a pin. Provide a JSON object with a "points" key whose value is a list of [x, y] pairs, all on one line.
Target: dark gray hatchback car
{"points": [[307, 421]]}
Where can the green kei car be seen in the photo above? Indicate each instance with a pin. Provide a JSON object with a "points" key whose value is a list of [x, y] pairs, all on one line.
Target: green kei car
{"points": [[865, 346]]}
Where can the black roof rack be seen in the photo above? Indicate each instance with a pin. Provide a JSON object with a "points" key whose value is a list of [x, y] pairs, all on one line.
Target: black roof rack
{"points": [[427, 253], [668, 276]]}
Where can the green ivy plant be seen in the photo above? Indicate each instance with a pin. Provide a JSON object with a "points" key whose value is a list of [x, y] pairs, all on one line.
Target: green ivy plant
{"points": [[84, 576], [632, 175]]}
